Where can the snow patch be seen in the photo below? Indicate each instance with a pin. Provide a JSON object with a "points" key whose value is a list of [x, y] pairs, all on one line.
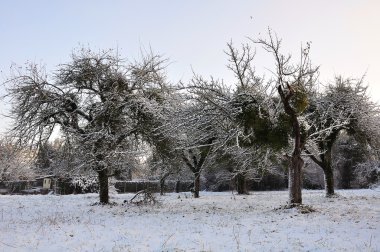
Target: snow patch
{"points": [[214, 222]]}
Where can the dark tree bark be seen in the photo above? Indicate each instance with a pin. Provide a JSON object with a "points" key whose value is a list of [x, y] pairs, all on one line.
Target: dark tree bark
{"points": [[162, 182], [295, 179], [328, 171], [197, 184], [346, 176], [241, 184], [162, 186], [177, 186], [103, 186], [329, 182]]}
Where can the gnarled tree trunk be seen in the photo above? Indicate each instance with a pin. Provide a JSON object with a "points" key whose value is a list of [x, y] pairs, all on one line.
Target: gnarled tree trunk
{"points": [[329, 174], [295, 179], [296, 161]]}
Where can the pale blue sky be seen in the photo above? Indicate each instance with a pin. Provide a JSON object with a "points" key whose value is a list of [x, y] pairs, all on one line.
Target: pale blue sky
{"points": [[345, 34]]}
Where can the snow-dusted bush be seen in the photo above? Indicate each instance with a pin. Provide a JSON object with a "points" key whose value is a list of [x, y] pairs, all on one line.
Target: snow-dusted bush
{"points": [[85, 184], [14, 162], [367, 174]]}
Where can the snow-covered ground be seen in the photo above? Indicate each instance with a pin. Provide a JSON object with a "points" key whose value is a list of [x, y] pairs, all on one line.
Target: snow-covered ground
{"points": [[215, 222]]}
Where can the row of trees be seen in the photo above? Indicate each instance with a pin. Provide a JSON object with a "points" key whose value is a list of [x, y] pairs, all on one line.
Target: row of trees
{"points": [[113, 112]]}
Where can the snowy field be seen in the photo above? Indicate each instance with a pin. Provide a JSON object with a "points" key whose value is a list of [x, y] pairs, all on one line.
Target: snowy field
{"points": [[215, 222]]}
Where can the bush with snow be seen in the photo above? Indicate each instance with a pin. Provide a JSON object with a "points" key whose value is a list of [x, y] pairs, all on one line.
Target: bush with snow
{"points": [[85, 184]]}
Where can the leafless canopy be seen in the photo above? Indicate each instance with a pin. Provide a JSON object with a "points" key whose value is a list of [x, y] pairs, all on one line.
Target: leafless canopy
{"points": [[98, 99]]}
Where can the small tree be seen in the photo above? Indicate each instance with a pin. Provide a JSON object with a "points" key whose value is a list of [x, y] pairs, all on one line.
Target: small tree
{"points": [[195, 159]]}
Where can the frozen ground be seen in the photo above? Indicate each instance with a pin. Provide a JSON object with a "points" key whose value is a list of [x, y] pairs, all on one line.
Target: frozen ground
{"points": [[215, 222]]}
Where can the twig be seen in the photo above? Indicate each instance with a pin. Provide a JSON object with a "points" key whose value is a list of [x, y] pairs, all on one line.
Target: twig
{"points": [[164, 244], [8, 245]]}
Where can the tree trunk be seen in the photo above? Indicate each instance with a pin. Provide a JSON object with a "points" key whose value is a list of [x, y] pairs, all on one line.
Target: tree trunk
{"points": [[162, 182], [296, 165], [346, 175], [328, 172], [177, 186], [241, 184], [296, 162], [325, 163], [103, 186], [329, 181], [295, 180], [197, 184], [129, 174], [162, 186]]}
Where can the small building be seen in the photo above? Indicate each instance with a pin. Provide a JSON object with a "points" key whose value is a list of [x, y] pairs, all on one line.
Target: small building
{"points": [[47, 183], [3, 189]]}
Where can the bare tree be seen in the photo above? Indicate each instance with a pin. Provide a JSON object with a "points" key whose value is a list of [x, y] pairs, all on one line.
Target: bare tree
{"points": [[195, 159], [195, 137], [240, 118], [343, 106], [97, 100]]}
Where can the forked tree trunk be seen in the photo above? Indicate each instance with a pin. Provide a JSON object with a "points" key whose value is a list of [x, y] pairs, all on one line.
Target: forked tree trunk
{"points": [[197, 184], [195, 164], [325, 163], [103, 186], [241, 184]]}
